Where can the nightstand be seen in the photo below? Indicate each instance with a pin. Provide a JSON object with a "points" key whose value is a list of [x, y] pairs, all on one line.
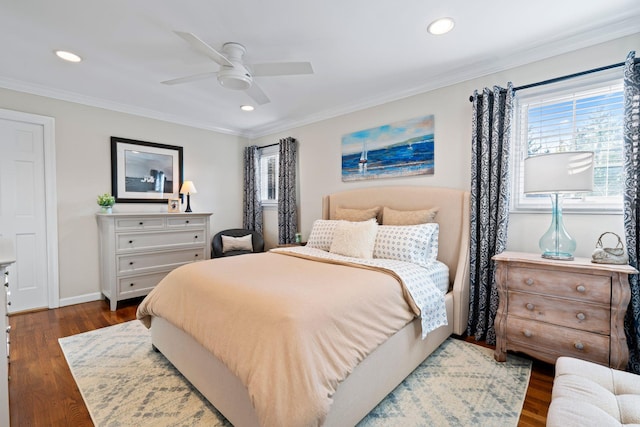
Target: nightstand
{"points": [[552, 308]]}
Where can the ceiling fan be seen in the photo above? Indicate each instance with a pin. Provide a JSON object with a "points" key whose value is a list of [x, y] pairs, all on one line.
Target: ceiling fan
{"points": [[234, 73]]}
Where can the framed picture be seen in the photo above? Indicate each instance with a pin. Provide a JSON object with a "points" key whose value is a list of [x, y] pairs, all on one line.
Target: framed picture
{"points": [[145, 172], [174, 205]]}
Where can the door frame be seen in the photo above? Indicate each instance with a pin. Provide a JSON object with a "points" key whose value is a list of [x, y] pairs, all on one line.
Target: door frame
{"points": [[51, 200]]}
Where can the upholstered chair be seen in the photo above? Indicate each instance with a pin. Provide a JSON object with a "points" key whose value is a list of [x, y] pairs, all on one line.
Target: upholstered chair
{"points": [[218, 248]]}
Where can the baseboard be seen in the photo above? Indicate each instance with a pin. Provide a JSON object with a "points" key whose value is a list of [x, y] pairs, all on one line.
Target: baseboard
{"points": [[80, 299]]}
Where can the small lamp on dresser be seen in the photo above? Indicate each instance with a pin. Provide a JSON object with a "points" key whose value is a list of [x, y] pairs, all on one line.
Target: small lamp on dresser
{"points": [[556, 174], [188, 188]]}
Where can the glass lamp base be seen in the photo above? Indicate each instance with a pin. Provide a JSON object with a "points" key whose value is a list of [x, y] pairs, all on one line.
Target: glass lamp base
{"points": [[556, 243]]}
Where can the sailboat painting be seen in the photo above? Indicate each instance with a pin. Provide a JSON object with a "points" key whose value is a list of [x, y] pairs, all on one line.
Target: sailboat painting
{"points": [[398, 149]]}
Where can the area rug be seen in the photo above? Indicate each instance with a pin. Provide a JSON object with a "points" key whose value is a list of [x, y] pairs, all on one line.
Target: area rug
{"points": [[125, 383]]}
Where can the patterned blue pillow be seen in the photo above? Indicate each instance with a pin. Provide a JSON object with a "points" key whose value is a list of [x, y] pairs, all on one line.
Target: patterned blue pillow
{"points": [[410, 243], [321, 234]]}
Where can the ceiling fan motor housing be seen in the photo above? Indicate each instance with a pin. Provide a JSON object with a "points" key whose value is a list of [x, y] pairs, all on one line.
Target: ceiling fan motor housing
{"points": [[237, 76]]}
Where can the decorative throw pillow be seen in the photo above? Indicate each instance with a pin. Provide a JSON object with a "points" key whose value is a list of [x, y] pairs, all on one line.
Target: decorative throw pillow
{"points": [[410, 243], [357, 214], [243, 243], [394, 217], [354, 239], [321, 234]]}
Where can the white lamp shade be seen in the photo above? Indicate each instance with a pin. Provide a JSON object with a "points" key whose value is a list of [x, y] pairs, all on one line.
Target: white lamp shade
{"points": [[188, 188], [566, 172]]}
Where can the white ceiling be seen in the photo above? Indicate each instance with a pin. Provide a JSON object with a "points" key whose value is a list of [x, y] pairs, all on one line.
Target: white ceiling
{"points": [[364, 52]]}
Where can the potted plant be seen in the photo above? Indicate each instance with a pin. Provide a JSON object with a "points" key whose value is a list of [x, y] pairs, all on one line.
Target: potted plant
{"points": [[106, 202]]}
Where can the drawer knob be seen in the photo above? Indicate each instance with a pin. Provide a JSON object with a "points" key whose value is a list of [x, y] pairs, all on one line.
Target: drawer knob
{"points": [[141, 223], [581, 316], [186, 222], [581, 288], [196, 236], [131, 284], [130, 262], [196, 255], [527, 333], [530, 306], [529, 281], [8, 302], [130, 241], [579, 346]]}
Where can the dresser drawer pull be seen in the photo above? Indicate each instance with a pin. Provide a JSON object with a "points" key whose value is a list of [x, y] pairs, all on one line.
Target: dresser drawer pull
{"points": [[130, 241], [579, 346], [196, 236], [529, 281], [130, 262], [131, 284], [141, 223], [196, 255], [581, 316], [530, 306], [527, 333], [581, 288], [186, 222]]}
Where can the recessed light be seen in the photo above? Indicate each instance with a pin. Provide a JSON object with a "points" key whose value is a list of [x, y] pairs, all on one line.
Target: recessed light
{"points": [[441, 26], [68, 56], [247, 107]]}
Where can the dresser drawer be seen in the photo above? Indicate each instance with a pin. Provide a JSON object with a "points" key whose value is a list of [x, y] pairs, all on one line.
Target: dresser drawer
{"points": [[144, 282], [182, 222], [136, 241], [585, 287], [140, 263], [139, 224], [557, 341], [574, 314]]}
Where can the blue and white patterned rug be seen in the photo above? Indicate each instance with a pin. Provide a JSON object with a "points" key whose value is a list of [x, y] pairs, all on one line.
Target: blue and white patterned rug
{"points": [[125, 383]]}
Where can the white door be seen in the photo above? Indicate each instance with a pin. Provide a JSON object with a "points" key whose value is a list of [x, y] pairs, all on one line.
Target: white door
{"points": [[23, 211]]}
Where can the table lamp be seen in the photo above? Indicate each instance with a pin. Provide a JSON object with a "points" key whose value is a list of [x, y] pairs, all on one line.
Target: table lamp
{"points": [[188, 188], [555, 174]]}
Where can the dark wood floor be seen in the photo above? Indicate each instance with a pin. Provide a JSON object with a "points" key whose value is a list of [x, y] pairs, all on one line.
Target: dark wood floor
{"points": [[42, 391]]}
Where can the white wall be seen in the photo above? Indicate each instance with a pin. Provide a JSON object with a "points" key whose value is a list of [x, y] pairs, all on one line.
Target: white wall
{"points": [[213, 161], [319, 145]]}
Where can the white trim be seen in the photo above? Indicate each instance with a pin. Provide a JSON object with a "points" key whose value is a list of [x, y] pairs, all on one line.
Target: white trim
{"points": [[96, 296], [51, 200]]}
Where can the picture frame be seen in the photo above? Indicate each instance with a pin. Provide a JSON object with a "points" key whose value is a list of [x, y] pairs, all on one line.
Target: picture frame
{"points": [[145, 172], [174, 206]]}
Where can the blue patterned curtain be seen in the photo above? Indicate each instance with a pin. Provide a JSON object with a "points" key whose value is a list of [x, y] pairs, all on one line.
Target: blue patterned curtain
{"points": [[287, 205], [252, 218], [632, 202], [490, 146]]}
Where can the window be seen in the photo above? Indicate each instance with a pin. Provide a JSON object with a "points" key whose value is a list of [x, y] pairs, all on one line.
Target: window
{"points": [[584, 114], [269, 164]]}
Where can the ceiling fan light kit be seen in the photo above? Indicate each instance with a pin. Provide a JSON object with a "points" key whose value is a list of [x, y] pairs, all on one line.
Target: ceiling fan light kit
{"points": [[233, 73]]}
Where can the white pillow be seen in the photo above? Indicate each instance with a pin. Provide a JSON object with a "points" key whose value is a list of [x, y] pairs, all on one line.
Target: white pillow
{"points": [[410, 243], [321, 234], [354, 239], [243, 243]]}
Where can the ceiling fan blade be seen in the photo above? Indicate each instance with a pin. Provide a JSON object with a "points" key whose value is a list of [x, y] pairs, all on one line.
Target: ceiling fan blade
{"points": [[257, 94], [204, 48], [281, 68], [188, 79]]}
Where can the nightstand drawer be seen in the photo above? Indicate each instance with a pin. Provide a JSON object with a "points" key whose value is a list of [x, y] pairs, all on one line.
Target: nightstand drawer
{"points": [[137, 241], [585, 287], [555, 341], [573, 314]]}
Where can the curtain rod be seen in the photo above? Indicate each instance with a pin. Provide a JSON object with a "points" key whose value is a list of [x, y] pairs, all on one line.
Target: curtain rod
{"points": [[270, 145], [569, 76]]}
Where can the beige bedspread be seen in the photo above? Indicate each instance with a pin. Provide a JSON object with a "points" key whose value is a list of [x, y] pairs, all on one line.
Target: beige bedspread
{"points": [[290, 328]]}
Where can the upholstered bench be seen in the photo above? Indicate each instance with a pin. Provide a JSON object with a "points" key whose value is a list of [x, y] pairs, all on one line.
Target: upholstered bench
{"points": [[587, 394]]}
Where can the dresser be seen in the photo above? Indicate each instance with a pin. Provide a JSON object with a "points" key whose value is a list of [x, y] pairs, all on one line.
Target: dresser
{"points": [[552, 308], [138, 250], [7, 257]]}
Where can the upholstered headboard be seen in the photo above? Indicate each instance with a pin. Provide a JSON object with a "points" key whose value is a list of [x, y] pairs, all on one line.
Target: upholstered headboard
{"points": [[453, 218]]}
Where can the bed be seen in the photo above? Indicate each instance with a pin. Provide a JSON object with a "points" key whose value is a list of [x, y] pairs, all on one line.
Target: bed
{"points": [[396, 356]]}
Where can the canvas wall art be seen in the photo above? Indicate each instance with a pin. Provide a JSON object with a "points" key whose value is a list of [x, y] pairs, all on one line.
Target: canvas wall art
{"points": [[399, 149]]}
